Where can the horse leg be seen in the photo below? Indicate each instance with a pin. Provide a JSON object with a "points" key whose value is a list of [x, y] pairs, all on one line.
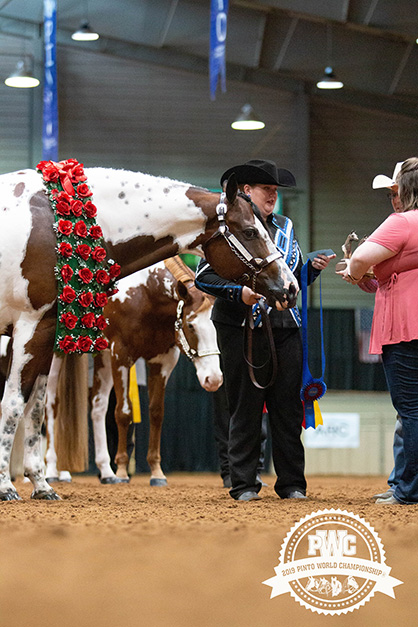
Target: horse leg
{"points": [[102, 385], [52, 473], [34, 467], [123, 416], [159, 372], [24, 396]]}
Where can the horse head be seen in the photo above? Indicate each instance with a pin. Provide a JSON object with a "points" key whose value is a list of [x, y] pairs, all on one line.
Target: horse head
{"points": [[196, 335], [241, 249]]}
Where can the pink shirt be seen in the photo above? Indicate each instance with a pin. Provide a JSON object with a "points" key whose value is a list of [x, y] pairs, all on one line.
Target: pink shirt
{"points": [[395, 316]]}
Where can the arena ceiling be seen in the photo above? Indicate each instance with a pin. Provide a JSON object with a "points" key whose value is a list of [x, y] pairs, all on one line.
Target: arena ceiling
{"points": [[283, 44]]}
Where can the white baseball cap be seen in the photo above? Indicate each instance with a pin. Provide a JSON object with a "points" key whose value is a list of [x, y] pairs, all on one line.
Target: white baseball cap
{"points": [[381, 180]]}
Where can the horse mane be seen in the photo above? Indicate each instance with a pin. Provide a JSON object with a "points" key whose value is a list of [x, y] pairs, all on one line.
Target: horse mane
{"points": [[182, 272], [179, 270]]}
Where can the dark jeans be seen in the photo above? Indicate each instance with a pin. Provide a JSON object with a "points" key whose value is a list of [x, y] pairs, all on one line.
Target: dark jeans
{"points": [[401, 368]]}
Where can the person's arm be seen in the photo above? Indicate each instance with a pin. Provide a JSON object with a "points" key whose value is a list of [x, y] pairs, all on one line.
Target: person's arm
{"points": [[208, 281], [367, 255]]}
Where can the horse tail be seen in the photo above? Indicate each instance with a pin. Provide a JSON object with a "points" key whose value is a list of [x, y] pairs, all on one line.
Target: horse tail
{"points": [[71, 424]]}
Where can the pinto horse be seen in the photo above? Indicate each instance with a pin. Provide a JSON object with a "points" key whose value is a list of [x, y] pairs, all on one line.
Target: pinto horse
{"points": [[144, 219], [156, 313]]}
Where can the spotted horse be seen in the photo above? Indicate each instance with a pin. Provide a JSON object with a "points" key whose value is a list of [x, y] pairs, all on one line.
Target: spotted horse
{"points": [[144, 219]]}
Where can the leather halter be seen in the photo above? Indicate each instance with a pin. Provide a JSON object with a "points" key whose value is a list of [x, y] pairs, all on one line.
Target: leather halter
{"points": [[190, 352], [255, 264]]}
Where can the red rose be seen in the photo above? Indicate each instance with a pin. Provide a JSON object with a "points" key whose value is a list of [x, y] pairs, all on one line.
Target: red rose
{"points": [[102, 277], [90, 209], [99, 254], [85, 274], [101, 322], [49, 171], [85, 299], [76, 173], [65, 249], [114, 270], [62, 208], [67, 344], [101, 299], [76, 208], [84, 251], [66, 273], [95, 232], [84, 343], [101, 344], [83, 190], [80, 229], [69, 319], [65, 227], [88, 320], [111, 292], [68, 294]]}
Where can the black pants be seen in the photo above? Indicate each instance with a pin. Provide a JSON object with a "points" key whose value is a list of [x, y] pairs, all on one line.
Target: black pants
{"points": [[246, 403], [221, 432]]}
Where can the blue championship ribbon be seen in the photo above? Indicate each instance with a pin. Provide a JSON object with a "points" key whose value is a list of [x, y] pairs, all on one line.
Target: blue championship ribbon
{"points": [[312, 389], [50, 110], [218, 21]]}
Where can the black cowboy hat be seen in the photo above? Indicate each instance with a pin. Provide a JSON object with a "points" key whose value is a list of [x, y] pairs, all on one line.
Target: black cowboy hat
{"points": [[258, 171]]}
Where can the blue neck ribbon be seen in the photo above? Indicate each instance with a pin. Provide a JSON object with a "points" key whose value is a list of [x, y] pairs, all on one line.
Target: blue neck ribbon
{"points": [[312, 389]]}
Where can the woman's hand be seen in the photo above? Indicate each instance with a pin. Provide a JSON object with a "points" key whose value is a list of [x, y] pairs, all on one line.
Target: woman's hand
{"points": [[345, 274], [249, 297], [321, 261]]}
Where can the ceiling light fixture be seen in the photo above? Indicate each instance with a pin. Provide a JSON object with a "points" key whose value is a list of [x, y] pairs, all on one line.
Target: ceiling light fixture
{"points": [[22, 76], [85, 33], [247, 120], [329, 80]]}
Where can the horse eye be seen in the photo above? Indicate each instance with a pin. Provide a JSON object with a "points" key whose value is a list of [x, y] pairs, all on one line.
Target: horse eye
{"points": [[251, 233]]}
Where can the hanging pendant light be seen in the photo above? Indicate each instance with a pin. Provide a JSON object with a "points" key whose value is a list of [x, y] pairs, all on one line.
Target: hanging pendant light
{"points": [[247, 120], [85, 33], [329, 80], [22, 76]]}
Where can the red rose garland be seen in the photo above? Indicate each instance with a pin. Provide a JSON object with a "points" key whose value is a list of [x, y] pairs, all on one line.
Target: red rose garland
{"points": [[85, 278]]}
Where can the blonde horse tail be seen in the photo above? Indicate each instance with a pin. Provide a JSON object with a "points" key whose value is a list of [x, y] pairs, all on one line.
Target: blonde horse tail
{"points": [[71, 425]]}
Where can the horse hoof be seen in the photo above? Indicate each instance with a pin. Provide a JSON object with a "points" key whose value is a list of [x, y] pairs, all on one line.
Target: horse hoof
{"points": [[9, 495], [112, 480], [52, 479], [159, 483], [45, 495]]}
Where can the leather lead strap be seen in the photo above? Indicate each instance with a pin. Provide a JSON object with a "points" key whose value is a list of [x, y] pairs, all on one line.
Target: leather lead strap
{"points": [[248, 346]]}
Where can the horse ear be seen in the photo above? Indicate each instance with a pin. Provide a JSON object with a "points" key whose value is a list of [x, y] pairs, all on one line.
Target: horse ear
{"points": [[231, 188], [182, 290]]}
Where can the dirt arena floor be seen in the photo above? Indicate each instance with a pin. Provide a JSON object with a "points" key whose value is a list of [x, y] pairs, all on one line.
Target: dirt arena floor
{"points": [[185, 555]]}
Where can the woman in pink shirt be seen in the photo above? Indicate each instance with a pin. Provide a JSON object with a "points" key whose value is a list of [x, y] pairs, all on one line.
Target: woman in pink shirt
{"points": [[392, 250]]}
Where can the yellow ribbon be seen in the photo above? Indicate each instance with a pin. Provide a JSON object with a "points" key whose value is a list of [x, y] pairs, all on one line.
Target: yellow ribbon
{"points": [[134, 395]]}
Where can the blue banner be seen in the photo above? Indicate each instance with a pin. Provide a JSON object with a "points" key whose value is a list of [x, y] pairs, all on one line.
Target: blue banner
{"points": [[218, 20], [50, 111]]}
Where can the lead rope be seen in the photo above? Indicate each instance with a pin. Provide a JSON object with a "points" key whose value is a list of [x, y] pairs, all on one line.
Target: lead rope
{"points": [[248, 345]]}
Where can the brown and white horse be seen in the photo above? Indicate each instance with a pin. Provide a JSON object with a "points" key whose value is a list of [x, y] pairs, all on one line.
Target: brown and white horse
{"points": [[144, 219], [156, 313]]}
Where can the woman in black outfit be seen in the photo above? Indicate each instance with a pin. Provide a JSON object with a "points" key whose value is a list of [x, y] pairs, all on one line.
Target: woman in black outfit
{"points": [[260, 180]]}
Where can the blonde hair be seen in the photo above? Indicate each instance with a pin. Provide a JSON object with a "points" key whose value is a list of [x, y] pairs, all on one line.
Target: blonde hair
{"points": [[407, 181]]}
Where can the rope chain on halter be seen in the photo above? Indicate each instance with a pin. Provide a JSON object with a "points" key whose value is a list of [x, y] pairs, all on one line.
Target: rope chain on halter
{"points": [[255, 264], [248, 343], [190, 352]]}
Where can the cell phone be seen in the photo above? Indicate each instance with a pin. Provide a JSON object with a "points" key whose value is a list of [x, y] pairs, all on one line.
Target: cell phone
{"points": [[326, 251]]}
